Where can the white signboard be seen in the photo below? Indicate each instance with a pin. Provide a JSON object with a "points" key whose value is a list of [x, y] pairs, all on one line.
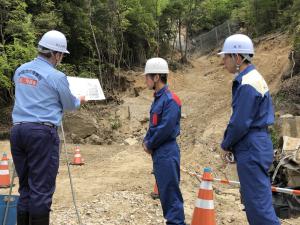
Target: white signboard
{"points": [[90, 88]]}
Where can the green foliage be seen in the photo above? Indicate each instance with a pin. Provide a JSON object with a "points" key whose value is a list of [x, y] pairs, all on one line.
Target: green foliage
{"points": [[295, 26], [15, 54], [4, 68], [19, 24], [279, 98], [207, 14], [275, 138], [260, 17], [105, 35], [18, 53], [296, 43], [115, 123], [102, 34], [17, 39], [68, 69], [243, 14]]}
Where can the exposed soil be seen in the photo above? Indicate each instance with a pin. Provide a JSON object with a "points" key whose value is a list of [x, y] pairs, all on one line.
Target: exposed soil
{"points": [[114, 185]]}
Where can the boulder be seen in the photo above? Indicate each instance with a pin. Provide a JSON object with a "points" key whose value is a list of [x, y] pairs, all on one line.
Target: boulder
{"points": [[94, 140], [80, 125], [131, 141], [290, 145], [123, 113], [288, 125]]}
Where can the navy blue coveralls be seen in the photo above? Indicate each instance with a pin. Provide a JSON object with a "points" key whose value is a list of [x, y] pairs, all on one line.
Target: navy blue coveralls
{"points": [[164, 127], [42, 94], [247, 137]]}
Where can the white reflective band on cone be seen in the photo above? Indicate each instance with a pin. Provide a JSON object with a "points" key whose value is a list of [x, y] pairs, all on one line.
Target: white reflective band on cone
{"points": [[3, 163], [4, 172], [204, 204], [284, 191], [205, 185], [77, 155]]}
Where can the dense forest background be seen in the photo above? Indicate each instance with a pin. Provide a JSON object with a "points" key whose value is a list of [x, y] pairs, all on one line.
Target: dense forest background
{"points": [[105, 36]]}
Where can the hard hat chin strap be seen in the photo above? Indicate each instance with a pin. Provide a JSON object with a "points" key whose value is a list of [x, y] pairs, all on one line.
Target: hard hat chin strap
{"points": [[57, 61], [154, 83], [238, 66]]}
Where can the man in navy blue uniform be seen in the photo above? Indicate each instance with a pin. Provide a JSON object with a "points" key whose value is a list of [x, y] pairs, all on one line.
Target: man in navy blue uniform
{"points": [[160, 140], [247, 134], [42, 94]]}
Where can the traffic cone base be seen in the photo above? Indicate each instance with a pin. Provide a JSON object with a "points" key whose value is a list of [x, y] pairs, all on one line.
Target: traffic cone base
{"points": [[4, 172], [208, 214], [155, 194], [77, 164], [204, 213]]}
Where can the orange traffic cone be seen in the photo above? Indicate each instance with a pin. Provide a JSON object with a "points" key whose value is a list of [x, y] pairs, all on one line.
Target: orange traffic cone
{"points": [[155, 194], [204, 212], [4, 172], [77, 157]]}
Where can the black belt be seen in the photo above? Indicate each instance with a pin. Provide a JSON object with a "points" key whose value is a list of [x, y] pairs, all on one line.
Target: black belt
{"points": [[40, 123]]}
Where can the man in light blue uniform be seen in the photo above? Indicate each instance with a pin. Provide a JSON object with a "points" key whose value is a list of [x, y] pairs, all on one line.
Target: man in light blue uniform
{"points": [[160, 140], [42, 94], [247, 134]]}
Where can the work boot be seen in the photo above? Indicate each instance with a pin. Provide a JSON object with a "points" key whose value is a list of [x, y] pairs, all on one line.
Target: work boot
{"points": [[39, 220], [22, 218]]}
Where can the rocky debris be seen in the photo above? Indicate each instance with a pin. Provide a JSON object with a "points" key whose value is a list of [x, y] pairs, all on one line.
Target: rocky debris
{"points": [[226, 198], [229, 191], [286, 116], [183, 116], [122, 207], [88, 128], [80, 125], [288, 125], [123, 113], [290, 145], [144, 119], [288, 97], [100, 125], [137, 91], [131, 141], [94, 140]]}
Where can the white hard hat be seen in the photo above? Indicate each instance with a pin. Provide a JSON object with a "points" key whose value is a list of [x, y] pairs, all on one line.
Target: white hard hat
{"points": [[156, 66], [55, 41], [237, 44]]}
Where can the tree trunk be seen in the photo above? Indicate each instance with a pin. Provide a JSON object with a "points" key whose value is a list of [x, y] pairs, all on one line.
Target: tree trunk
{"points": [[120, 50], [188, 24], [157, 25], [96, 44], [179, 34], [1, 30]]}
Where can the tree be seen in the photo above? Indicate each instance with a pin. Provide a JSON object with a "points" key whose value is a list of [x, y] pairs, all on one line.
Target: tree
{"points": [[172, 23], [17, 42]]}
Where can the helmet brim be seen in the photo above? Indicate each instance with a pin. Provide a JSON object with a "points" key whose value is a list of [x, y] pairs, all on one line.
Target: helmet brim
{"points": [[223, 53]]}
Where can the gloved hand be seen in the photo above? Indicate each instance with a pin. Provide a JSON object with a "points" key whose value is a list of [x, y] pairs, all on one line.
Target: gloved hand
{"points": [[228, 157], [146, 149]]}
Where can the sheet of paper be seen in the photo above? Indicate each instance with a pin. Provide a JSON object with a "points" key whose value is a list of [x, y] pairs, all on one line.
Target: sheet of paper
{"points": [[90, 88]]}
